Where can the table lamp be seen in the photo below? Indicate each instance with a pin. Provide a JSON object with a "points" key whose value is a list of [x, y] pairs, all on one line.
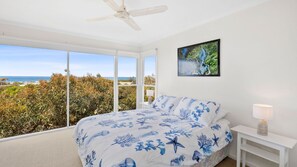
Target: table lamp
{"points": [[150, 94], [264, 113]]}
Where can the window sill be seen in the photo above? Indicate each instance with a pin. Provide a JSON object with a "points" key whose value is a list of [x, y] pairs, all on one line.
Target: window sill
{"points": [[34, 134]]}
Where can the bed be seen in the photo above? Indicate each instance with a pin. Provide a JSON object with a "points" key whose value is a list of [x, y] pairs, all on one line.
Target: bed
{"points": [[150, 137]]}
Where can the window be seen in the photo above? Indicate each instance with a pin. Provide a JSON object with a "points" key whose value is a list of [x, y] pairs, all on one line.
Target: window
{"points": [[32, 90], [91, 85], [149, 77], [43, 89], [127, 83]]}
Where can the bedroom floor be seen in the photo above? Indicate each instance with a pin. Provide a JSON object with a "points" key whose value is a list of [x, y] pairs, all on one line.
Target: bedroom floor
{"points": [[53, 149]]}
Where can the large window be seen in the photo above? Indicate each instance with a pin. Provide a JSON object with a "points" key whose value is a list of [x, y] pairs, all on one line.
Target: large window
{"points": [[127, 83], [43, 89], [32, 90], [91, 85], [149, 77]]}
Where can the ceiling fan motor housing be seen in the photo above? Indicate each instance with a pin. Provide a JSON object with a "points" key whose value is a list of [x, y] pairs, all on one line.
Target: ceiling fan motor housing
{"points": [[122, 14]]}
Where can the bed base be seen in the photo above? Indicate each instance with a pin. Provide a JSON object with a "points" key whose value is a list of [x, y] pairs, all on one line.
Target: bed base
{"points": [[215, 158]]}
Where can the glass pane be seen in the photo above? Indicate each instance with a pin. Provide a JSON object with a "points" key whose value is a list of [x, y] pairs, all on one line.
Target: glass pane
{"points": [[127, 98], [126, 78], [149, 91], [32, 90], [91, 85], [127, 70], [149, 70]]}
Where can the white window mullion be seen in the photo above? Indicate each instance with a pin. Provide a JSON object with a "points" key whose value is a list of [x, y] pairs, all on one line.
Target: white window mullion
{"points": [[139, 82], [156, 74], [142, 78], [115, 84], [68, 90]]}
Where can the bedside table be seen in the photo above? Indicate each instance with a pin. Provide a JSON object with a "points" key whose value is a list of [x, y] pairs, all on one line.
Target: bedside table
{"points": [[277, 142], [145, 105]]}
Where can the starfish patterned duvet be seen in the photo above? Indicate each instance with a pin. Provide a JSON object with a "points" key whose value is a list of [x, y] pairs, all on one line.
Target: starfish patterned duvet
{"points": [[145, 138]]}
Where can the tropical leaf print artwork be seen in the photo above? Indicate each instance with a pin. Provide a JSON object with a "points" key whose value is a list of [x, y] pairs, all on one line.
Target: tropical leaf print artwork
{"points": [[200, 59]]}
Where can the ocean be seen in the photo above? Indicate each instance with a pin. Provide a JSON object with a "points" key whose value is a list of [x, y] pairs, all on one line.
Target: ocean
{"points": [[46, 78]]}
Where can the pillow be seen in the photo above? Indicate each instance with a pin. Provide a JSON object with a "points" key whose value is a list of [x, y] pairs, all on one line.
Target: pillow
{"points": [[203, 112], [166, 103], [219, 115]]}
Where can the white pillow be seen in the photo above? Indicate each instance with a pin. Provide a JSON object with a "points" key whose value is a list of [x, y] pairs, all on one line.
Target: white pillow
{"points": [[219, 114], [203, 112], [166, 103]]}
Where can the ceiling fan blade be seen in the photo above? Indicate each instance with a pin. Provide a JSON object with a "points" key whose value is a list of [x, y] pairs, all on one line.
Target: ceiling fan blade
{"points": [[101, 18], [148, 11], [112, 4], [132, 23]]}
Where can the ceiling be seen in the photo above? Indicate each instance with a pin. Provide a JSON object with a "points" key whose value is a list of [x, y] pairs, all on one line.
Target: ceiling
{"points": [[70, 16]]}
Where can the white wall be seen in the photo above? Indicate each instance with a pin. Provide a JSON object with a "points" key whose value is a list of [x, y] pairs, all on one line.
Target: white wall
{"points": [[258, 65]]}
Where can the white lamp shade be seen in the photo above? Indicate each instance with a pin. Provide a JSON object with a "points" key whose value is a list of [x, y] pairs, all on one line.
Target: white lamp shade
{"points": [[262, 111], [150, 92]]}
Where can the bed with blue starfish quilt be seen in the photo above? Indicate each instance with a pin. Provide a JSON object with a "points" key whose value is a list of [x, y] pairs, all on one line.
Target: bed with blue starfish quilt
{"points": [[147, 138]]}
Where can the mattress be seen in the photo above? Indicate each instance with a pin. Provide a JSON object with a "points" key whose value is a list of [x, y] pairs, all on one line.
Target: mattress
{"points": [[146, 138]]}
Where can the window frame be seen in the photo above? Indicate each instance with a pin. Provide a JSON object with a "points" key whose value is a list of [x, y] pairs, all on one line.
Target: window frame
{"points": [[74, 48], [132, 85], [143, 55], [69, 74]]}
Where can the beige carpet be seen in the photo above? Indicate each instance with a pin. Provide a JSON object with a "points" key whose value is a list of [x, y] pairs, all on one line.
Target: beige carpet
{"points": [[55, 149]]}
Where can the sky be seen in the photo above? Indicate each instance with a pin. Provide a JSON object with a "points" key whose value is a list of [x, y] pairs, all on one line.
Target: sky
{"points": [[25, 61], [150, 65]]}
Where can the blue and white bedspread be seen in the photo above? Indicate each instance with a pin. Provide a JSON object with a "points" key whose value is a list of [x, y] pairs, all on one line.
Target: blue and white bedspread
{"points": [[147, 138]]}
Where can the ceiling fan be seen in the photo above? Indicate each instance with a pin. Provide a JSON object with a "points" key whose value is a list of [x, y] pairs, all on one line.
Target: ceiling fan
{"points": [[123, 14]]}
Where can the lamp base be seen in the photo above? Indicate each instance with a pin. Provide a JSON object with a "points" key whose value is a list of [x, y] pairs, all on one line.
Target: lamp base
{"points": [[262, 128], [150, 100]]}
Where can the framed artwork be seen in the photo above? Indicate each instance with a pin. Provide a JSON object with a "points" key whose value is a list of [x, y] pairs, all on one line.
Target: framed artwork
{"points": [[201, 59]]}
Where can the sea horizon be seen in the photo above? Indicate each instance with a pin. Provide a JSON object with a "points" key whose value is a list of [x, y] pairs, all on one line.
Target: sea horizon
{"points": [[45, 78]]}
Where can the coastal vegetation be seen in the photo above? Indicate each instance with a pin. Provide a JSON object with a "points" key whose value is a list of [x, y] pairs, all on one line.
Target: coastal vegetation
{"points": [[39, 107]]}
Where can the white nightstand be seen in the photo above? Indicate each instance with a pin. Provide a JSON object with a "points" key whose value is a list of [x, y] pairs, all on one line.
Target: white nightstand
{"points": [[277, 142], [145, 105]]}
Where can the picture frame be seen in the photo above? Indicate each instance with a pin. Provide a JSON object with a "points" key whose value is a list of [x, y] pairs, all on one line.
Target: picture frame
{"points": [[199, 60]]}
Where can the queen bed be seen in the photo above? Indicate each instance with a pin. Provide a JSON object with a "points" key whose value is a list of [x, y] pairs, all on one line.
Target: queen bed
{"points": [[174, 132]]}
